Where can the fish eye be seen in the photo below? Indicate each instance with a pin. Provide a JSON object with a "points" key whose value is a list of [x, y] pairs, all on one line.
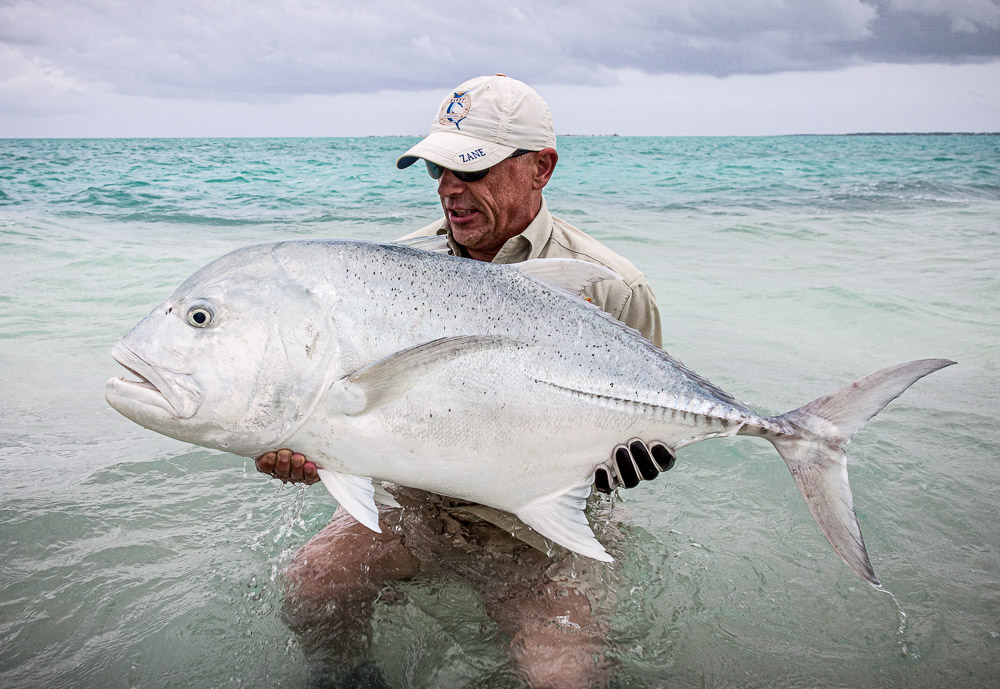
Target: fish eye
{"points": [[200, 315]]}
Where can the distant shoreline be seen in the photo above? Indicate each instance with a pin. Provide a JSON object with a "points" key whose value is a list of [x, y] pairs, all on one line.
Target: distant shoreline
{"points": [[914, 134], [722, 136]]}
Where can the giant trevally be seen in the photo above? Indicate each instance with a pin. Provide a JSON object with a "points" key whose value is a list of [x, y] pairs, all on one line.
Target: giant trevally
{"points": [[490, 383]]}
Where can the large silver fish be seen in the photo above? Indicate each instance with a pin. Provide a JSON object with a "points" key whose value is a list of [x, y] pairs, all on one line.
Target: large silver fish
{"points": [[495, 384]]}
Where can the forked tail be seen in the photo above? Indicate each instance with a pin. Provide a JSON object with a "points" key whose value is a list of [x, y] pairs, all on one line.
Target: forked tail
{"points": [[814, 451]]}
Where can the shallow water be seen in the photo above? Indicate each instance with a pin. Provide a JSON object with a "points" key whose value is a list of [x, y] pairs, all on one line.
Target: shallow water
{"points": [[784, 267]]}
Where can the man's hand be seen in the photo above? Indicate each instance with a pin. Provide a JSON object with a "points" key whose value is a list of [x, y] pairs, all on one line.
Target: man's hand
{"points": [[290, 467], [632, 463]]}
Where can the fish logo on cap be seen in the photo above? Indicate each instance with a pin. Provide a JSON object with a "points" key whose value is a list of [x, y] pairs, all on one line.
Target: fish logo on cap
{"points": [[455, 109]]}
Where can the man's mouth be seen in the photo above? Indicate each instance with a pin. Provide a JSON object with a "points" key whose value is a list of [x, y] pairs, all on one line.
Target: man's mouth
{"points": [[462, 218]]}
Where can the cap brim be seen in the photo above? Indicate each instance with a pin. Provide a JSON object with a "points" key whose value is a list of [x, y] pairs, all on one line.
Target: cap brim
{"points": [[456, 152]]}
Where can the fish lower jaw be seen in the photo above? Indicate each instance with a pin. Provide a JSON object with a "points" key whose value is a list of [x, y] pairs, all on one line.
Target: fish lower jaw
{"points": [[130, 396], [176, 393]]}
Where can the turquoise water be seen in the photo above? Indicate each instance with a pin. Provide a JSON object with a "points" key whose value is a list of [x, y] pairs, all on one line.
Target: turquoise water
{"points": [[784, 267]]}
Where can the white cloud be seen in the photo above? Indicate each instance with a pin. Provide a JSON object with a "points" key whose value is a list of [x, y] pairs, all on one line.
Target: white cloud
{"points": [[862, 98], [31, 85], [257, 56], [884, 98]]}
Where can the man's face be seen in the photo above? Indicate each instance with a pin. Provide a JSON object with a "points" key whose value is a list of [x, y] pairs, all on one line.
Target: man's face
{"points": [[483, 215]]}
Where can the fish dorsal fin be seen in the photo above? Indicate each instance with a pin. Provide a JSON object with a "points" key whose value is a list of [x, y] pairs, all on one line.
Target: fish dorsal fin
{"points": [[561, 518], [382, 381], [356, 494], [437, 243], [567, 274]]}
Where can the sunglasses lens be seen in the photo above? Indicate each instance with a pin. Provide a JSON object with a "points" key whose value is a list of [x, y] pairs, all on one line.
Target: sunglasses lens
{"points": [[435, 171], [471, 176]]}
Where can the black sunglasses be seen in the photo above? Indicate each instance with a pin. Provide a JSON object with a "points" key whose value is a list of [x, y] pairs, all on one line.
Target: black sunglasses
{"points": [[435, 170]]}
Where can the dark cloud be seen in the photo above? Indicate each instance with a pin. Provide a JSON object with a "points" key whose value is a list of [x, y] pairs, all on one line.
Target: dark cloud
{"points": [[265, 50], [909, 37], [766, 37]]}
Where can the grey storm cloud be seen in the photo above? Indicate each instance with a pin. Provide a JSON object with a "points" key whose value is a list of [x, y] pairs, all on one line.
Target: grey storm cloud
{"points": [[264, 49]]}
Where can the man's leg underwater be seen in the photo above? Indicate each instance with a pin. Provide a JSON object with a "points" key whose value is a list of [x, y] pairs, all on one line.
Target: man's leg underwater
{"points": [[333, 582], [558, 638]]}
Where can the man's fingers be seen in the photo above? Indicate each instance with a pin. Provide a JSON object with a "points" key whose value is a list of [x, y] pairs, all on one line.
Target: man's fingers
{"points": [[664, 458], [295, 473], [287, 466], [265, 463], [309, 473], [301, 470], [283, 465], [603, 480], [632, 463], [628, 474], [643, 460]]}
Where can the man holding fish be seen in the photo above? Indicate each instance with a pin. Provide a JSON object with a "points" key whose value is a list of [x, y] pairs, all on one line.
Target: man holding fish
{"points": [[458, 394], [491, 149]]}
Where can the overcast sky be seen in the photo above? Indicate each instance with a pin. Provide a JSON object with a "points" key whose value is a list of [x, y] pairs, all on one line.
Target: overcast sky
{"points": [[658, 67]]}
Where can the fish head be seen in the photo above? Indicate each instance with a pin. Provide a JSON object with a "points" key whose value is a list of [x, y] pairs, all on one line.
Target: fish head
{"points": [[234, 359]]}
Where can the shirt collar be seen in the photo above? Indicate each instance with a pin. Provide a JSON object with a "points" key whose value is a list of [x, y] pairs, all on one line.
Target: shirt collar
{"points": [[528, 244]]}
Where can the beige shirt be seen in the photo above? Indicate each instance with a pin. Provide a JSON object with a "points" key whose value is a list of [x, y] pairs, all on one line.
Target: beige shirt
{"points": [[630, 299]]}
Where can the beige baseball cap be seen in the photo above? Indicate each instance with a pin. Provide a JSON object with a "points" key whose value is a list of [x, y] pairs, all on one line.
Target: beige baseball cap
{"points": [[482, 122]]}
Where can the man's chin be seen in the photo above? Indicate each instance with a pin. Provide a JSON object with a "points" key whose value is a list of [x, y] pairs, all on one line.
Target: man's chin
{"points": [[468, 235]]}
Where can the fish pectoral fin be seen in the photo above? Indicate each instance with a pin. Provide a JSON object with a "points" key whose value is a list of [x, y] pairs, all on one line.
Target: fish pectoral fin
{"points": [[561, 518], [356, 494], [382, 381], [567, 274], [437, 244]]}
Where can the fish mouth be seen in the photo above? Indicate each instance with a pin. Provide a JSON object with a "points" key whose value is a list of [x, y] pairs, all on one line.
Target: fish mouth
{"points": [[175, 393]]}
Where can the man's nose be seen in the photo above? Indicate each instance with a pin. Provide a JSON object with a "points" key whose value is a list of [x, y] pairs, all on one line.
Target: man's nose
{"points": [[449, 184]]}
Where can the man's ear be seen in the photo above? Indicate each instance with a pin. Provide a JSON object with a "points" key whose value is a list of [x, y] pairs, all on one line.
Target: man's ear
{"points": [[545, 164]]}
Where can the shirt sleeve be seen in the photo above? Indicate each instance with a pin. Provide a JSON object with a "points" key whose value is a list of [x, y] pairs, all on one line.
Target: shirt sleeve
{"points": [[641, 313], [633, 304]]}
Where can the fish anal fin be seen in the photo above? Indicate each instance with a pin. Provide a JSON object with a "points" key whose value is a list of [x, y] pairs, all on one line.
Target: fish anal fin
{"points": [[561, 519], [386, 379], [356, 494]]}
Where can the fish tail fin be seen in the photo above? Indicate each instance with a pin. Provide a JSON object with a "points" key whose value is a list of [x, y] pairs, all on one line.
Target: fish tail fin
{"points": [[814, 451]]}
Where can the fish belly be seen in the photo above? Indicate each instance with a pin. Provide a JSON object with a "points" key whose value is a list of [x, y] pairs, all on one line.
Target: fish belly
{"points": [[493, 429]]}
